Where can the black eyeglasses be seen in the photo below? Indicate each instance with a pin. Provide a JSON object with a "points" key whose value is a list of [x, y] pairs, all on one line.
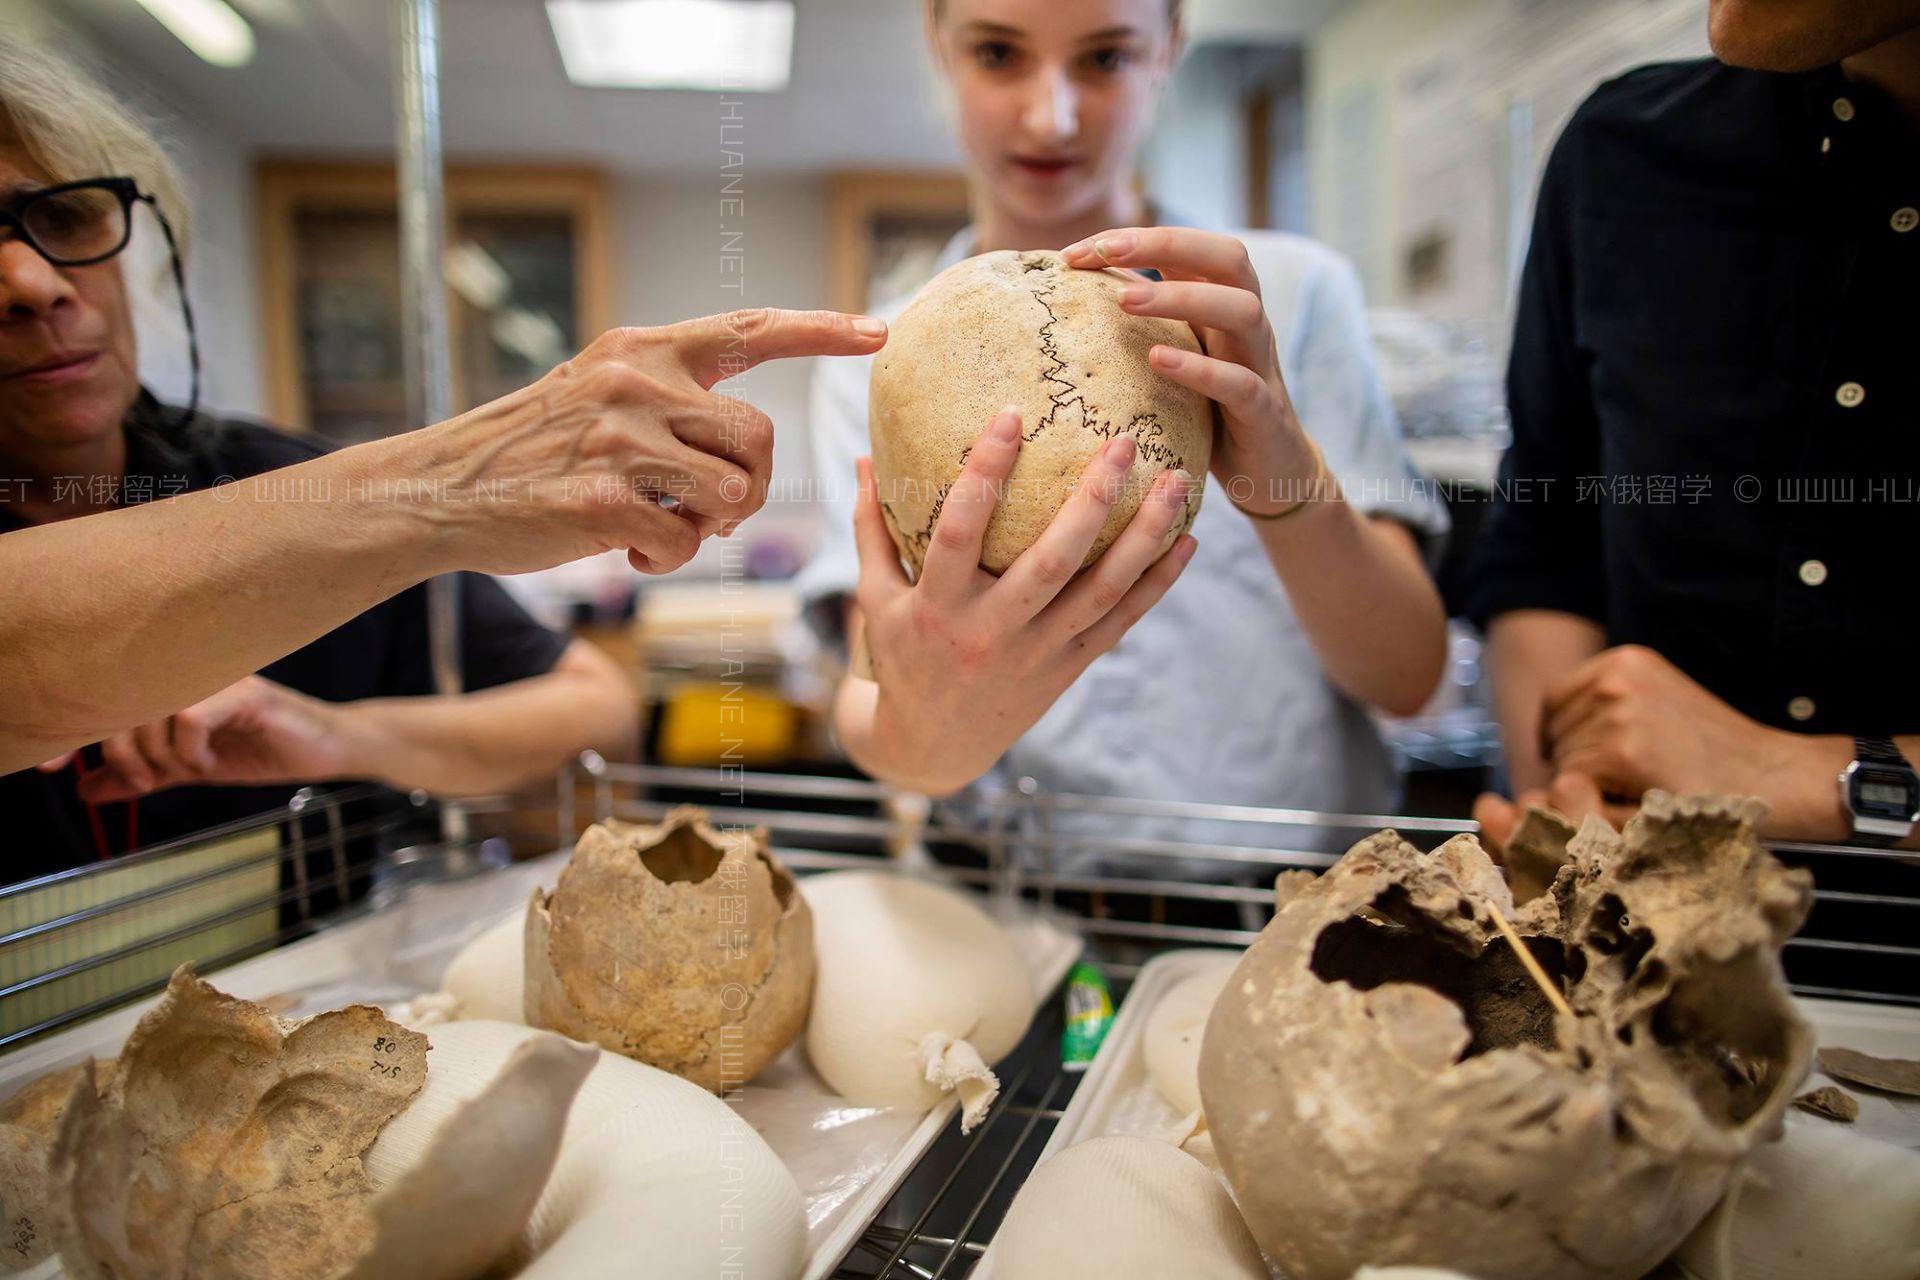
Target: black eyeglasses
{"points": [[76, 224]]}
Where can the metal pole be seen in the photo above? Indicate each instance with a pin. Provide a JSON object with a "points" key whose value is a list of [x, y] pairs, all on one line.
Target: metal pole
{"points": [[426, 335]]}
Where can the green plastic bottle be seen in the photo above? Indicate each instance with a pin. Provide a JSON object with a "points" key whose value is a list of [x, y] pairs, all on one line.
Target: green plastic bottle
{"points": [[1089, 1014]]}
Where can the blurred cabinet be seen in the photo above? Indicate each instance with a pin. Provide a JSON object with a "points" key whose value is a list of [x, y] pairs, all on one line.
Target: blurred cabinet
{"points": [[529, 270], [886, 231]]}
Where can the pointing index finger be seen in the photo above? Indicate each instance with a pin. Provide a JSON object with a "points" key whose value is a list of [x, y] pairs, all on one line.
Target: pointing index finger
{"points": [[714, 348]]}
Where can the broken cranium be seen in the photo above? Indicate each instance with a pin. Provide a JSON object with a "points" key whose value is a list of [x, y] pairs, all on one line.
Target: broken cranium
{"points": [[34, 1213], [678, 945], [230, 1143], [1385, 1083]]}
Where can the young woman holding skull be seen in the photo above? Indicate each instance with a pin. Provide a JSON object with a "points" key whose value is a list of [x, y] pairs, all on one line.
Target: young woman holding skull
{"points": [[1251, 679]]}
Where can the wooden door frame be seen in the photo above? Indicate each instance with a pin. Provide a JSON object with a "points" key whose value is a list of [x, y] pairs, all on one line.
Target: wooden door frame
{"points": [[282, 187], [854, 199]]}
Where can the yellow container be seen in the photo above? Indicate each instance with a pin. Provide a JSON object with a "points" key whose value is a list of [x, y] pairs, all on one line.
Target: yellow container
{"points": [[726, 724]]}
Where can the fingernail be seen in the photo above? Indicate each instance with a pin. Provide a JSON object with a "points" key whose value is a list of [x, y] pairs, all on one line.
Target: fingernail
{"points": [[1174, 492], [1006, 427], [1183, 550], [1075, 249], [1134, 294], [1111, 247], [1120, 452], [1166, 357], [870, 327]]}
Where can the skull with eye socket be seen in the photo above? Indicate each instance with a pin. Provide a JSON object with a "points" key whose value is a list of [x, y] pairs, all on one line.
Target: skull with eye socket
{"points": [[1385, 1082]]}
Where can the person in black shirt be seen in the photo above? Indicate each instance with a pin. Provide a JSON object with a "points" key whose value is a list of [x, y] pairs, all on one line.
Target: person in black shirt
{"points": [[130, 593], [1697, 572], [352, 704]]}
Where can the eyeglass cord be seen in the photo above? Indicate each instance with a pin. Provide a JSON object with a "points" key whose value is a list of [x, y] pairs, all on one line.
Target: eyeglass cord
{"points": [[186, 311]]}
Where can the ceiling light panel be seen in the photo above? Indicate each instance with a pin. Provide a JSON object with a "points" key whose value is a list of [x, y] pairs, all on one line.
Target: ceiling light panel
{"points": [[740, 45]]}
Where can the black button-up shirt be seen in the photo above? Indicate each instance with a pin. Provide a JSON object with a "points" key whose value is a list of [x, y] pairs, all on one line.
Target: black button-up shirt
{"points": [[1715, 392]]}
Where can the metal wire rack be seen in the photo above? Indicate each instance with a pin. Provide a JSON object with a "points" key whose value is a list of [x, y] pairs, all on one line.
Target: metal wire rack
{"points": [[1134, 877], [1132, 888], [1132, 896], [85, 940]]}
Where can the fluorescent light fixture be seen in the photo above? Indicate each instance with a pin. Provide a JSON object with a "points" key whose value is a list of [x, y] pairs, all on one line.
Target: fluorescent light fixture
{"points": [[477, 276], [531, 335], [743, 45], [208, 27]]}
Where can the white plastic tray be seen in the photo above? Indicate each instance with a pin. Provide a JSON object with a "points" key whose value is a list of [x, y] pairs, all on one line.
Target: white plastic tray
{"points": [[1118, 1097], [847, 1160]]}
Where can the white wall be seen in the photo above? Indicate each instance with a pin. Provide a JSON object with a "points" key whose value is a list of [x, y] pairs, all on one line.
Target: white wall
{"points": [[1194, 161], [671, 268], [1429, 120], [222, 264]]}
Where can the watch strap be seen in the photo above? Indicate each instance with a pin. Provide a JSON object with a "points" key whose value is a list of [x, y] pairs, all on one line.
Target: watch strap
{"points": [[1881, 751]]}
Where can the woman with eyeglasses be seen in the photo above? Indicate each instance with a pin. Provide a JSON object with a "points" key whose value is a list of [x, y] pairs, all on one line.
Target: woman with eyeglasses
{"points": [[199, 644], [1248, 680]]}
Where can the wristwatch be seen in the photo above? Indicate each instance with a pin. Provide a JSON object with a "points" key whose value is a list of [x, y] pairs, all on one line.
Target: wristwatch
{"points": [[1881, 792]]}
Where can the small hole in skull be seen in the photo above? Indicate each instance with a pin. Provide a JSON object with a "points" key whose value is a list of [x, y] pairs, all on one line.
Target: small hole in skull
{"points": [[1610, 935], [682, 858]]}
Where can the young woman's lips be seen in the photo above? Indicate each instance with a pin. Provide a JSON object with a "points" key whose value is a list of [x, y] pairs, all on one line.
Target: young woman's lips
{"points": [[68, 370], [1041, 167]]}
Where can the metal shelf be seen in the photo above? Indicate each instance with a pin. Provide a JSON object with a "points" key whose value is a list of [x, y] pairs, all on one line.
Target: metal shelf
{"points": [[1130, 895]]}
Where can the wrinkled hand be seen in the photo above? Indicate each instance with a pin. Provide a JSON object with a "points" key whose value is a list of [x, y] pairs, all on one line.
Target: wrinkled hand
{"points": [[252, 732], [627, 445], [966, 662], [1262, 458]]}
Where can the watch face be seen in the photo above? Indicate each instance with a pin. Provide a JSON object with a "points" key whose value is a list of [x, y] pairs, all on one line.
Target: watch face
{"points": [[1878, 792]]}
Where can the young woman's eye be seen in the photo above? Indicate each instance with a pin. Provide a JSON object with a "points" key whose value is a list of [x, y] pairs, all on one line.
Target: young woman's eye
{"points": [[1110, 59], [993, 54]]}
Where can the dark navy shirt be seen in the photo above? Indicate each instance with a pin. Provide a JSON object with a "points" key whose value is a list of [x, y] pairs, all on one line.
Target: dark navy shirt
{"points": [[1715, 391], [44, 827]]}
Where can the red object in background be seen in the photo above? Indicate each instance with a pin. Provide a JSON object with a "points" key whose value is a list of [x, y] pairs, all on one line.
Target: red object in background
{"points": [[102, 850]]}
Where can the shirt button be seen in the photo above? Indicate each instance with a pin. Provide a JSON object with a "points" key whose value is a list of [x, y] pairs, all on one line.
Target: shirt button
{"points": [[1801, 708], [1906, 219], [1843, 109], [1813, 572], [1850, 394]]}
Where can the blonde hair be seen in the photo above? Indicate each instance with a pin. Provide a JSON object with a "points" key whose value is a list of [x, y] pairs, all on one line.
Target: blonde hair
{"points": [[74, 129]]}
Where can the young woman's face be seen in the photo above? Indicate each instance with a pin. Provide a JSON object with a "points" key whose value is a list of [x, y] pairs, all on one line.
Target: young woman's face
{"points": [[1053, 98]]}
